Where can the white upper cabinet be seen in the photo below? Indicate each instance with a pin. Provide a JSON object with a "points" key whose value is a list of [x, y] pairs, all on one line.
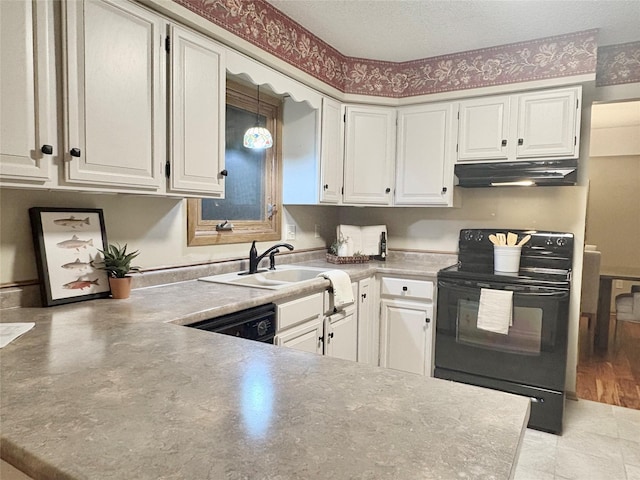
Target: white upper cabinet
{"points": [[114, 94], [331, 152], [425, 158], [197, 113], [370, 135], [484, 129], [548, 124], [27, 91], [544, 124]]}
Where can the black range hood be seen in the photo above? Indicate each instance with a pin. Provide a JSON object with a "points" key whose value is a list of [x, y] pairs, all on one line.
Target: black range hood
{"points": [[529, 173]]}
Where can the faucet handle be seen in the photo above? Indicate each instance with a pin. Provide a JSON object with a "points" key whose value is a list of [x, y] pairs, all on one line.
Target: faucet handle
{"points": [[272, 259]]}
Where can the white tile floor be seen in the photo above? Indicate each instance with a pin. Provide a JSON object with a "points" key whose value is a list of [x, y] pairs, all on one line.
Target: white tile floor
{"points": [[599, 442]]}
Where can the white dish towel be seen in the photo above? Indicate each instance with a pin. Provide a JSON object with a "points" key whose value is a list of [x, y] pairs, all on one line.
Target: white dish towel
{"points": [[341, 285], [495, 313]]}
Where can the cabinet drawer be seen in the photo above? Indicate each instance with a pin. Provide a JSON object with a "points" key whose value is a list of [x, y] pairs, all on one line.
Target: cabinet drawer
{"points": [[299, 310], [399, 287]]}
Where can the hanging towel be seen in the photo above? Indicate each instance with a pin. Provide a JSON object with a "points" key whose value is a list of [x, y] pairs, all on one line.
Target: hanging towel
{"points": [[495, 312], [341, 286]]}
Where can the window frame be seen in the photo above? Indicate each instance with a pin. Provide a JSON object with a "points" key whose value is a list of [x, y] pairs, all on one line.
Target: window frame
{"points": [[203, 232]]}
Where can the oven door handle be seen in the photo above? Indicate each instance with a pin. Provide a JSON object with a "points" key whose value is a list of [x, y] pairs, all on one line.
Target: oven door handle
{"points": [[523, 293]]}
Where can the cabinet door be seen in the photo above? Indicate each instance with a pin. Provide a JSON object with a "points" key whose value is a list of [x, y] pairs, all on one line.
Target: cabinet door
{"points": [[27, 90], [331, 152], [115, 100], [366, 341], [424, 163], [483, 129], [307, 338], [341, 334], [369, 155], [548, 124], [197, 118], [406, 336]]}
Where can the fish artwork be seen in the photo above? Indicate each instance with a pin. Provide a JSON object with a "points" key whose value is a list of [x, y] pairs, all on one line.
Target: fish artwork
{"points": [[72, 222], [77, 265], [80, 284], [76, 243]]}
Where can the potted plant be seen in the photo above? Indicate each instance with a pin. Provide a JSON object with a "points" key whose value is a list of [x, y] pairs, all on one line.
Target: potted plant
{"points": [[339, 247], [117, 263]]}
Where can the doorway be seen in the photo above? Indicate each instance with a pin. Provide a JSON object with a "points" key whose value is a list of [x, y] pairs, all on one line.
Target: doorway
{"points": [[612, 374]]}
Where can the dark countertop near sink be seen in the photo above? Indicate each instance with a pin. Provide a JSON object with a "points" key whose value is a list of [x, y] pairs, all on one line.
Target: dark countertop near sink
{"points": [[115, 389]]}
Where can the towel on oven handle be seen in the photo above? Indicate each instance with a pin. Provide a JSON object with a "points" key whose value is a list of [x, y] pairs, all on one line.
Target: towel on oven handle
{"points": [[495, 312]]}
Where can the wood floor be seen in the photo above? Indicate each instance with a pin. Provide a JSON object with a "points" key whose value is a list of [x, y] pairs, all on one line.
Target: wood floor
{"points": [[613, 376]]}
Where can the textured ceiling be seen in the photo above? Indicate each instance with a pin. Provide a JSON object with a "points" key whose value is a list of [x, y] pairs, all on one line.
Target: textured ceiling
{"points": [[401, 30]]}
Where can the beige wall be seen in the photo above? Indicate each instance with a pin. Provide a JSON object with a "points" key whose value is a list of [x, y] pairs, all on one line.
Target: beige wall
{"points": [[613, 211], [155, 226]]}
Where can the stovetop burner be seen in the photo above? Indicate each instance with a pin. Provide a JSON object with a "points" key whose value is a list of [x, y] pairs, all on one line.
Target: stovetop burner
{"points": [[545, 260]]}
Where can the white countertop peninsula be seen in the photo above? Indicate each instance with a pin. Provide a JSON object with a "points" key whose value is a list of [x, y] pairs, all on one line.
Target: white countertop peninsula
{"points": [[109, 389]]}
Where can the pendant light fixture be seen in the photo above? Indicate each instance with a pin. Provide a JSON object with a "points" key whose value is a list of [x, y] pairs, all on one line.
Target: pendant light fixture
{"points": [[258, 137]]}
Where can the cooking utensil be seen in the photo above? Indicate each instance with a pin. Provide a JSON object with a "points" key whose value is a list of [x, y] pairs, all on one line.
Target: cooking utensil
{"points": [[493, 239], [502, 239], [512, 239], [524, 240]]}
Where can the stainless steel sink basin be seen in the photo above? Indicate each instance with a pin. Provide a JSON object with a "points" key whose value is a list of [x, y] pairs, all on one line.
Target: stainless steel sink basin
{"points": [[282, 276]]}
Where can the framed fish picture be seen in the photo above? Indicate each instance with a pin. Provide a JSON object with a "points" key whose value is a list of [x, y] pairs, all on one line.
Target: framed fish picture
{"points": [[67, 243]]}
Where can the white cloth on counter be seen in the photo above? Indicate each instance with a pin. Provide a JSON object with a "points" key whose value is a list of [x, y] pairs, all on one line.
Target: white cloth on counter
{"points": [[495, 312], [341, 287], [10, 331]]}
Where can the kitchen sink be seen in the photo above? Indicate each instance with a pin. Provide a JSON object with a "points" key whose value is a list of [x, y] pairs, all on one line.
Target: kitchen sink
{"points": [[282, 276]]}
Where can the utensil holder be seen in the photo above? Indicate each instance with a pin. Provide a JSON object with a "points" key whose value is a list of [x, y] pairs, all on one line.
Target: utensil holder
{"points": [[506, 258]]}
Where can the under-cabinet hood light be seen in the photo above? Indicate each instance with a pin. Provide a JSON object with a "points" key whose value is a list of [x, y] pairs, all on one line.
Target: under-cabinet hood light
{"points": [[520, 183]]}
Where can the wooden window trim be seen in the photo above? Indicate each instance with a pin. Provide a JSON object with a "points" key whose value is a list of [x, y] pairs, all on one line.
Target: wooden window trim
{"points": [[203, 232]]}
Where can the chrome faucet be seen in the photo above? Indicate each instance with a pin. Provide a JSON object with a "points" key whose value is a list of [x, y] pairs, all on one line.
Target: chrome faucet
{"points": [[254, 258]]}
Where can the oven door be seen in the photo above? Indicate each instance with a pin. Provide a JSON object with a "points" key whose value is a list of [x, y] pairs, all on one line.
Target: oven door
{"points": [[533, 352]]}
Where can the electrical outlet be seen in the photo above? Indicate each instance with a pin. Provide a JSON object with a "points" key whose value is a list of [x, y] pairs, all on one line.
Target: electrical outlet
{"points": [[317, 231], [291, 232]]}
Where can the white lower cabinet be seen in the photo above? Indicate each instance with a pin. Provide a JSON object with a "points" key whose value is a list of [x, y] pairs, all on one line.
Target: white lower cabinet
{"points": [[407, 325], [300, 323], [306, 337], [341, 334]]}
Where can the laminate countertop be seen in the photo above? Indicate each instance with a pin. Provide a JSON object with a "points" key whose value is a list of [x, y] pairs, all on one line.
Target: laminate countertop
{"points": [[108, 389]]}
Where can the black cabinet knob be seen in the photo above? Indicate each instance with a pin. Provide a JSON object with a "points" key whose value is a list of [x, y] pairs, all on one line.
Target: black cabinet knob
{"points": [[521, 141], [330, 335], [444, 189], [364, 295], [387, 190], [224, 173], [47, 149], [404, 289], [75, 152], [504, 143], [326, 186], [427, 320], [321, 339]]}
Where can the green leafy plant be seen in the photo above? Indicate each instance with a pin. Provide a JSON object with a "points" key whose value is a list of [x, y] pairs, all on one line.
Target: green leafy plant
{"points": [[117, 262], [333, 249]]}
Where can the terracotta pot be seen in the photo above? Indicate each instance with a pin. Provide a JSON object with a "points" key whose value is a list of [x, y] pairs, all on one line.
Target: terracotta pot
{"points": [[120, 287]]}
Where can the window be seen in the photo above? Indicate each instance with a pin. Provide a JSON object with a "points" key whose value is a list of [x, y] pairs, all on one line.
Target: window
{"points": [[252, 186]]}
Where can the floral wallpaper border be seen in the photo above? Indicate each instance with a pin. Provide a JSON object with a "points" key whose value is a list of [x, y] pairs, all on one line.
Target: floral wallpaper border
{"points": [[618, 64], [263, 25]]}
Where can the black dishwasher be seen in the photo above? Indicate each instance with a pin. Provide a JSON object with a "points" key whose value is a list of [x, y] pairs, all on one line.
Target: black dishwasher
{"points": [[256, 323]]}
